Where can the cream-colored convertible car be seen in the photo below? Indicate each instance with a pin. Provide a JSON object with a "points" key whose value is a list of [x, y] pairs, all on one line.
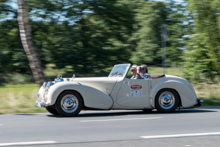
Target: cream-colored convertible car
{"points": [[68, 96]]}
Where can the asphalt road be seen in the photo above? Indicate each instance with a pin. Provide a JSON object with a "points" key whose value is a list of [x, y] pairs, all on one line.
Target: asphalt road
{"points": [[198, 127]]}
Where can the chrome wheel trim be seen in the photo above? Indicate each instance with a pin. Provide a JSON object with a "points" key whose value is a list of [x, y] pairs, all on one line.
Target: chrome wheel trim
{"points": [[69, 103], [166, 100]]}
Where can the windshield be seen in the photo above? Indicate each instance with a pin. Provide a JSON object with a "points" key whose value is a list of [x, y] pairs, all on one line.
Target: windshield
{"points": [[119, 70]]}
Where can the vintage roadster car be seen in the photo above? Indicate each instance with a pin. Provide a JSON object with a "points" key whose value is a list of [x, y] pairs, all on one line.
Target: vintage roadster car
{"points": [[68, 96]]}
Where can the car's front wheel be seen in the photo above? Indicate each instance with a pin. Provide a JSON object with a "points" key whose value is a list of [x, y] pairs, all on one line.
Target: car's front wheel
{"points": [[167, 100], [69, 103]]}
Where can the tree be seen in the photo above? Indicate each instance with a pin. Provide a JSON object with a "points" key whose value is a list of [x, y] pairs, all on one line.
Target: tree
{"points": [[89, 35], [12, 55], [204, 44], [92, 36], [199, 65], [25, 33], [146, 39], [179, 22]]}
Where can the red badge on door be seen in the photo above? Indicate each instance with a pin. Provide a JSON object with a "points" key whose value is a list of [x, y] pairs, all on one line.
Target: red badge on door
{"points": [[136, 87]]}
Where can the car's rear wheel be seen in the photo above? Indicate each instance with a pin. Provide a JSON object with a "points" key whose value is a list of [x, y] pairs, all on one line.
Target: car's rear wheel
{"points": [[69, 103], [52, 110], [166, 100]]}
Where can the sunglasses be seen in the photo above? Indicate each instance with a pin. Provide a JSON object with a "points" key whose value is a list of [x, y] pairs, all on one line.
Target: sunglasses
{"points": [[132, 70]]}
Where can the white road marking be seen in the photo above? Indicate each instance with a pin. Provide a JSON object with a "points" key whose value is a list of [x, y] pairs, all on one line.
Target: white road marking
{"points": [[180, 135], [1, 124], [27, 143], [120, 119]]}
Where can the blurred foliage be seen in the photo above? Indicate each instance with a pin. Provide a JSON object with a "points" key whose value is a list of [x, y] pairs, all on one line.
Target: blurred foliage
{"points": [[146, 39], [92, 37], [199, 65], [202, 56], [12, 55], [89, 36], [147, 36]]}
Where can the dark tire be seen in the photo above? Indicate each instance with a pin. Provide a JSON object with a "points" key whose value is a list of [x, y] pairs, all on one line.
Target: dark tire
{"points": [[147, 110], [52, 110], [69, 103], [166, 100]]}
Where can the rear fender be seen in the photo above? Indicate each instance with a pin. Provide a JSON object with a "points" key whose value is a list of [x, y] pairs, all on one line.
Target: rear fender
{"points": [[187, 94]]}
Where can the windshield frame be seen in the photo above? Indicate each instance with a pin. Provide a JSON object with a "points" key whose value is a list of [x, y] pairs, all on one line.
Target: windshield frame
{"points": [[125, 72]]}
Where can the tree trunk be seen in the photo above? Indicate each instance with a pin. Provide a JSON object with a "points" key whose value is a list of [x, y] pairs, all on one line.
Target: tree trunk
{"points": [[26, 39]]}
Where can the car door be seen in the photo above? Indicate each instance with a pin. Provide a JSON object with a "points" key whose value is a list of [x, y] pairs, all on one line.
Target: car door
{"points": [[134, 93]]}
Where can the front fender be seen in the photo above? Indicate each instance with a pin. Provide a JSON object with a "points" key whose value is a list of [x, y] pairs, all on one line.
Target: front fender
{"points": [[92, 97], [187, 94]]}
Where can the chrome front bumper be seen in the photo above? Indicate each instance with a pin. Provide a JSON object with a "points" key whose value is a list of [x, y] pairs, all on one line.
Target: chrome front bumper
{"points": [[42, 97], [42, 104]]}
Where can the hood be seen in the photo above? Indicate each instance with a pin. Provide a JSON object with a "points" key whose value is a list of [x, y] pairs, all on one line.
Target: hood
{"points": [[105, 84]]}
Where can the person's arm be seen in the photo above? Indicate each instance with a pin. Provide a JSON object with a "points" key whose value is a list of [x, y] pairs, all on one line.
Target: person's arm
{"points": [[146, 76]]}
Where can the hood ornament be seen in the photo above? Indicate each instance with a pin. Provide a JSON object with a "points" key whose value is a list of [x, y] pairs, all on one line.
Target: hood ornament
{"points": [[59, 78]]}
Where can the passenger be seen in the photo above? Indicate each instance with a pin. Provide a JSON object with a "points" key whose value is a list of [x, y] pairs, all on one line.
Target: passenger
{"points": [[134, 71], [142, 72]]}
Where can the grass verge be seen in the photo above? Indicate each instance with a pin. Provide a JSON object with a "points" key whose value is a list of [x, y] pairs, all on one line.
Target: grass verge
{"points": [[210, 93], [19, 99]]}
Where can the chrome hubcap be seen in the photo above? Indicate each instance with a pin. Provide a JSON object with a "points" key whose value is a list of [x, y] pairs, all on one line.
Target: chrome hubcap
{"points": [[166, 100], [69, 103]]}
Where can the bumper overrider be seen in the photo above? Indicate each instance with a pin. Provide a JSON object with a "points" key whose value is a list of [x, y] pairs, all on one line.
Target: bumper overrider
{"points": [[199, 102], [42, 104], [42, 95]]}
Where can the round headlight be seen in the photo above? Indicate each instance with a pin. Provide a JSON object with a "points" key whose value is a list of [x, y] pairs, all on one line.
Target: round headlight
{"points": [[48, 85], [44, 84], [45, 96]]}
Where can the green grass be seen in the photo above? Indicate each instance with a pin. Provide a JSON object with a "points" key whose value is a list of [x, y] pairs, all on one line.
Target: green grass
{"points": [[19, 99], [210, 93]]}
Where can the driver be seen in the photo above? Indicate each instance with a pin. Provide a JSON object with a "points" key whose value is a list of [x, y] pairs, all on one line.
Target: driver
{"points": [[134, 71]]}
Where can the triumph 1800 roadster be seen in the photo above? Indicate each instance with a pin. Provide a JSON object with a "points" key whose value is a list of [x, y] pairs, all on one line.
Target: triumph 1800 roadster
{"points": [[68, 96]]}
